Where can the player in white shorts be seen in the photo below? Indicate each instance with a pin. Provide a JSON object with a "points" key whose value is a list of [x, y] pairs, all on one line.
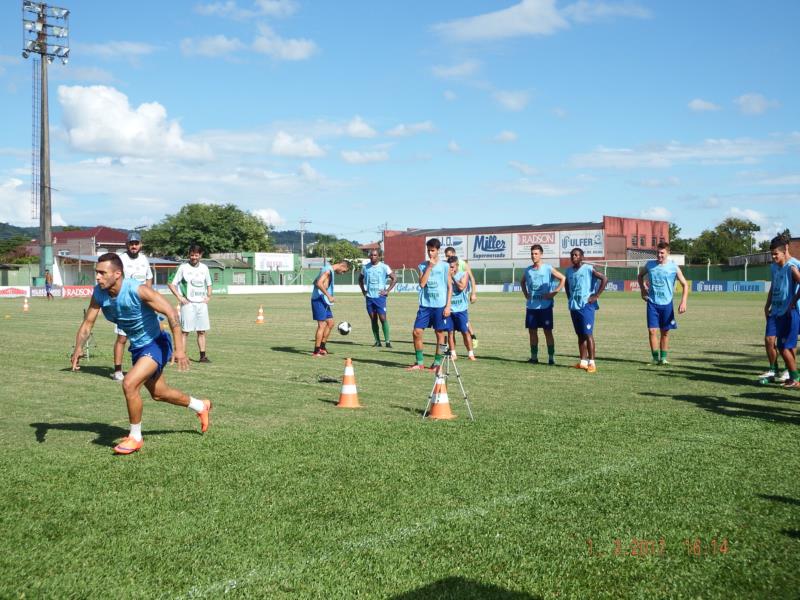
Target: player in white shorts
{"points": [[135, 265], [194, 294]]}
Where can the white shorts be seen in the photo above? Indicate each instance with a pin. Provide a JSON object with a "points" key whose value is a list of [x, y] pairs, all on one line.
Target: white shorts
{"points": [[194, 317]]}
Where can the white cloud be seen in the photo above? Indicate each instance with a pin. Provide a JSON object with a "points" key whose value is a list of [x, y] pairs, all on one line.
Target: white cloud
{"points": [[749, 214], [505, 137], [533, 188], [709, 152], [359, 128], [656, 213], [453, 147], [15, 202], [230, 9], [359, 158], [449, 95], [755, 104], [700, 105], [510, 100], [534, 17], [286, 145], [308, 173], [212, 46], [115, 49], [270, 43], [781, 180], [270, 216], [529, 17], [657, 183], [403, 130], [525, 169], [99, 119], [463, 69]]}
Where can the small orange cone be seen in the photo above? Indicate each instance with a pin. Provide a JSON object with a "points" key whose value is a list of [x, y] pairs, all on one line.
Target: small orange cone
{"points": [[260, 317], [440, 404], [348, 398], [25, 307]]}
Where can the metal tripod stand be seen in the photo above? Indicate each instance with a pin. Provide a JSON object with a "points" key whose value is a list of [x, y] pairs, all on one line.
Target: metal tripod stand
{"points": [[444, 371]]}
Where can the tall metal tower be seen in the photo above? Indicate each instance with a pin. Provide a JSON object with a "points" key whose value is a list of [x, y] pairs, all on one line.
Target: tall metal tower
{"points": [[45, 31]]}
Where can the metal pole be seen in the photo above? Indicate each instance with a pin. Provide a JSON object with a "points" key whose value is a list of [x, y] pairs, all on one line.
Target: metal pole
{"points": [[708, 270], [745, 269], [45, 234]]}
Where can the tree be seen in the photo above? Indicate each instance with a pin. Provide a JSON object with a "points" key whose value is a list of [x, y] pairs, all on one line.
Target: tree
{"points": [[764, 245], [215, 227], [678, 244], [732, 237], [13, 250]]}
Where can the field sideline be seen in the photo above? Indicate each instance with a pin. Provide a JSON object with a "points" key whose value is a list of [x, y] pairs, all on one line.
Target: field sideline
{"points": [[637, 481]]}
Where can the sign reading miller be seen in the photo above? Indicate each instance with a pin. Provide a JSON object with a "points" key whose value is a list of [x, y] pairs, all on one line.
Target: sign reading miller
{"points": [[490, 246]]}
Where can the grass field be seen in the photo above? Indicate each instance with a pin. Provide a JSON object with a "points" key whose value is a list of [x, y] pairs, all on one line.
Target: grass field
{"points": [[634, 482]]}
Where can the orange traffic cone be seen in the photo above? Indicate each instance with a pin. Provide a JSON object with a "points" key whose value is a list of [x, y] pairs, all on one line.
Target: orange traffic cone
{"points": [[260, 317], [25, 307], [348, 398], [440, 403]]}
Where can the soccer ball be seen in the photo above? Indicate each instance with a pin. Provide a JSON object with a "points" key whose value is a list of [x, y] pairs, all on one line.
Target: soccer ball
{"points": [[344, 328]]}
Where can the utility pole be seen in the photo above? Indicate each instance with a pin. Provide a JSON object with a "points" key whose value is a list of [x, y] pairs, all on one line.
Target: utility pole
{"points": [[303, 223]]}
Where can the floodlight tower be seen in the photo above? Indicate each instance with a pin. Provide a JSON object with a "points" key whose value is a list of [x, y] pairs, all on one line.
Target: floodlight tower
{"points": [[45, 31]]}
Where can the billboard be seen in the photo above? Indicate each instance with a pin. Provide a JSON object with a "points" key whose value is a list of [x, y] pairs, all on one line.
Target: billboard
{"points": [[492, 246], [273, 261], [459, 242], [548, 240], [12, 291], [591, 241]]}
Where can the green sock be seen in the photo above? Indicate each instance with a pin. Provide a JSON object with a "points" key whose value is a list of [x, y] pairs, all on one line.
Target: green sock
{"points": [[375, 330], [793, 375], [386, 331], [655, 355], [774, 367], [534, 352], [420, 358], [551, 352], [437, 360], [663, 355]]}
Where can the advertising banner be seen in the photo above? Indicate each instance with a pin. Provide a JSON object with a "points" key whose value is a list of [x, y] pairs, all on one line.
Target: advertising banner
{"points": [[273, 261], [13, 291], [77, 291], [482, 247], [591, 241], [41, 292], [522, 243], [708, 286], [459, 242], [632, 285], [746, 286], [615, 285]]}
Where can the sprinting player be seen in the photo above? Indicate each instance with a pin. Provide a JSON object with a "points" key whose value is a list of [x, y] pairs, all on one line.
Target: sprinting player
{"points": [[584, 285], [321, 301], [463, 267], [48, 284], [770, 338], [459, 313], [194, 295], [435, 291], [134, 307], [136, 265], [782, 303], [537, 285], [657, 285], [372, 280]]}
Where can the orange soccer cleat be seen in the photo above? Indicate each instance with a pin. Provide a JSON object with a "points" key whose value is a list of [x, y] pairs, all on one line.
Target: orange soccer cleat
{"points": [[128, 446]]}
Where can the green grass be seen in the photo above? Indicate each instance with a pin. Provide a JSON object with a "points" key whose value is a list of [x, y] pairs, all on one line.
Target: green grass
{"points": [[288, 496]]}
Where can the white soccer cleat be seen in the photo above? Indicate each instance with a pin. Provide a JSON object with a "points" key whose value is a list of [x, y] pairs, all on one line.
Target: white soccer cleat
{"points": [[767, 375], [118, 376], [784, 376]]}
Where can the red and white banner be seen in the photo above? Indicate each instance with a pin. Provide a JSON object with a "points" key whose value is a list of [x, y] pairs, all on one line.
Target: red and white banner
{"points": [[522, 243], [14, 291]]}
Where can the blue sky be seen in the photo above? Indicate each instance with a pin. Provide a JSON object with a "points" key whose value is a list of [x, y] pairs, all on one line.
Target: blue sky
{"points": [[353, 114]]}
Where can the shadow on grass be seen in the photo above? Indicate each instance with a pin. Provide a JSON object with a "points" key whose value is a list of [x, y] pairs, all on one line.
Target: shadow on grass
{"points": [[328, 401], [106, 434], [782, 499], [770, 396], [462, 589], [91, 370], [722, 406], [748, 355], [706, 376], [410, 409]]}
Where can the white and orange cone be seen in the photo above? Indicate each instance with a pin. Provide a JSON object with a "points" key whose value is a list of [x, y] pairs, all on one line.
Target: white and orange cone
{"points": [[348, 398], [25, 307], [440, 403], [260, 317]]}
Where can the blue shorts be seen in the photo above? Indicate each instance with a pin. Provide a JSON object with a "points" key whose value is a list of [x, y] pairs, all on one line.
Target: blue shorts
{"points": [[661, 316], [376, 305], [583, 320], [539, 318], [320, 309], [160, 350], [771, 329], [788, 326], [460, 321], [433, 317]]}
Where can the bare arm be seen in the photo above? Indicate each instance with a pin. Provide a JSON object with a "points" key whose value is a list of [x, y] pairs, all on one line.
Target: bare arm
{"points": [[392, 282], [361, 284], [83, 333], [474, 295], [524, 287], [796, 279], [685, 294], [322, 285], [561, 282], [159, 304], [424, 275], [640, 278], [768, 305], [603, 281], [446, 312]]}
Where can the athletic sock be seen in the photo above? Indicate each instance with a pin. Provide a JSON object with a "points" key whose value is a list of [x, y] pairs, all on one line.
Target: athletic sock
{"points": [[774, 367], [473, 336], [663, 355], [316, 349], [591, 362], [118, 368], [419, 356], [386, 331], [471, 353], [322, 346], [793, 375], [136, 431], [656, 355], [551, 353], [375, 331], [437, 360], [196, 405], [534, 352], [584, 363]]}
